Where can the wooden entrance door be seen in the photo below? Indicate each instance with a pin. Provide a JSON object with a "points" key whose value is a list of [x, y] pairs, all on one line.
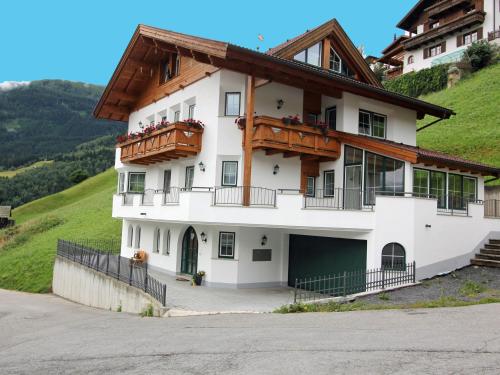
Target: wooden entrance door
{"points": [[189, 260]]}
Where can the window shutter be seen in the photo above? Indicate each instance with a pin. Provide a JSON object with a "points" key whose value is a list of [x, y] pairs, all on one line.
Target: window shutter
{"points": [[480, 33], [426, 53], [443, 47], [460, 40]]}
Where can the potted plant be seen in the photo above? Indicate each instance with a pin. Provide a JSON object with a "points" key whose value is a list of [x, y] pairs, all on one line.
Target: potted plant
{"points": [[322, 126], [122, 138], [241, 121], [198, 278], [291, 120], [194, 123]]}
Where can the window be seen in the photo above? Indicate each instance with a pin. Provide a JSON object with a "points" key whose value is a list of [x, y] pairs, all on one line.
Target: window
{"points": [[383, 176], [311, 118], [434, 25], [470, 194], [136, 182], [329, 183], [137, 243], [461, 190], [191, 109], [470, 37], [430, 184], [372, 124], [421, 183], [226, 244], [394, 257], [411, 59], [156, 241], [335, 61], [353, 156], [229, 173], [188, 181], [130, 236], [434, 51], [233, 100], [166, 242], [169, 68], [311, 55], [310, 186], [177, 116], [331, 118], [167, 177], [121, 183]]}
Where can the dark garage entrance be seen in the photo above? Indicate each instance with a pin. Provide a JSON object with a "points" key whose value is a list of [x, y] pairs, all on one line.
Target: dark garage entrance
{"points": [[312, 256]]}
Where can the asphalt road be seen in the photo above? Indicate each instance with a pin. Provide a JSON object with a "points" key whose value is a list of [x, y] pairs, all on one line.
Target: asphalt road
{"points": [[43, 334]]}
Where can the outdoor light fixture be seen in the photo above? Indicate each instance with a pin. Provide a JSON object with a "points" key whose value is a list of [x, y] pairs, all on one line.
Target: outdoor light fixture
{"points": [[428, 225], [279, 103], [140, 125], [263, 241], [276, 169], [202, 166], [203, 237]]}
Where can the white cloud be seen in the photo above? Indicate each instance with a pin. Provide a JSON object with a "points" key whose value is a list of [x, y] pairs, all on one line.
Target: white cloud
{"points": [[10, 85]]}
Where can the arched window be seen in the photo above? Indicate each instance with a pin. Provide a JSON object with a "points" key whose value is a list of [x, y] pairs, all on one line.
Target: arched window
{"points": [[393, 256], [166, 242], [410, 59], [137, 237], [130, 235], [156, 241]]}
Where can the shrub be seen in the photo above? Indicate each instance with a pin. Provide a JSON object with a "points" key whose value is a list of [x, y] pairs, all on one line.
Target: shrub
{"points": [[419, 83], [78, 176], [479, 55]]}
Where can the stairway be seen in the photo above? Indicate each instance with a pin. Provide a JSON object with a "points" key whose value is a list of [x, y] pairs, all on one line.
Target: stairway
{"points": [[489, 256]]}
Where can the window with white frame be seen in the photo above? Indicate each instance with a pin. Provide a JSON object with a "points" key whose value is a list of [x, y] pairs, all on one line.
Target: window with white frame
{"points": [[335, 61], [191, 109], [177, 116], [329, 183], [137, 243], [156, 241], [470, 37], [394, 257], [229, 173], [226, 244], [436, 50], [166, 242], [233, 100], [136, 181], [188, 181], [372, 124]]}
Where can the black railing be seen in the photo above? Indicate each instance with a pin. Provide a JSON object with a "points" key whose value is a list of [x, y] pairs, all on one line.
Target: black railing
{"points": [[147, 197], [128, 199], [352, 282], [233, 196], [114, 265], [339, 199], [492, 208], [170, 195]]}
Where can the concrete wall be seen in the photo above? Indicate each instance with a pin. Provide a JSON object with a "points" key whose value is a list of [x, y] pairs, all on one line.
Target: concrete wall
{"points": [[83, 285]]}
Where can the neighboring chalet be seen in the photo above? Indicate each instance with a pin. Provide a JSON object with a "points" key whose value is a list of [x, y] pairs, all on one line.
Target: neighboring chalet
{"points": [[439, 31], [303, 164]]}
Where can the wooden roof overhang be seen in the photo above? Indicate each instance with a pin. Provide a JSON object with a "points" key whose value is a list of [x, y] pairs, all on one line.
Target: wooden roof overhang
{"points": [[413, 14], [468, 20], [148, 46]]}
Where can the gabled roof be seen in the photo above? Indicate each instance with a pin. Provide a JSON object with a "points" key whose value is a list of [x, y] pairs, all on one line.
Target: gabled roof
{"points": [[330, 28], [144, 53], [395, 44], [413, 14]]}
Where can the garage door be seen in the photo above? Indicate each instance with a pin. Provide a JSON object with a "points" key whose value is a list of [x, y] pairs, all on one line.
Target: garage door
{"points": [[312, 256]]}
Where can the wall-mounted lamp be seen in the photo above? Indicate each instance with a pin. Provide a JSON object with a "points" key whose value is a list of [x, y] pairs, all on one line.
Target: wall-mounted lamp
{"points": [[276, 169], [202, 166], [279, 103], [263, 240], [140, 125], [203, 237], [428, 226]]}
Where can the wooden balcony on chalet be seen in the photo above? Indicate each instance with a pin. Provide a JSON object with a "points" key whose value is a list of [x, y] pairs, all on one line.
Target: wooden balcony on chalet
{"points": [[173, 142], [272, 135], [445, 6]]}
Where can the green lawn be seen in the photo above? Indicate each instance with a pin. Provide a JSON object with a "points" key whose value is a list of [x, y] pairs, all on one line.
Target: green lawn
{"points": [[82, 211], [14, 172], [474, 133]]}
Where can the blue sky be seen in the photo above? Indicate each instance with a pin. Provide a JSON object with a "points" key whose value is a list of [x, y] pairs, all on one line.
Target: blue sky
{"points": [[84, 40]]}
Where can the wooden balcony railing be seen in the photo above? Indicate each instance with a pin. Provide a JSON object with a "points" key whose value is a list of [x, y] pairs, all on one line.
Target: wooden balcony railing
{"points": [[273, 135], [492, 35], [444, 6], [175, 141]]}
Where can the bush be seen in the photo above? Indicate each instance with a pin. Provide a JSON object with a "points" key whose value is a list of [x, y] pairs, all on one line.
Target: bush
{"points": [[419, 83], [78, 176], [479, 55]]}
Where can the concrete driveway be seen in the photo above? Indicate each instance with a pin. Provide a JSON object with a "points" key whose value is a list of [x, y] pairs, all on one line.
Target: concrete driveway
{"points": [[43, 334]]}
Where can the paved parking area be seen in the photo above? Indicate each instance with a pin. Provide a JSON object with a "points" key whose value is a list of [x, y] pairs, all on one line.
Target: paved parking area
{"points": [[44, 334]]}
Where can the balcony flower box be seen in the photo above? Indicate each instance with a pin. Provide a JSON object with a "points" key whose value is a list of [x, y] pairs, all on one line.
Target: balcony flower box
{"points": [[291, 120]]}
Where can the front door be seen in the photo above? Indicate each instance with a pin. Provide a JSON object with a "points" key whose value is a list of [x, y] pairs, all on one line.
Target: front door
{"points": [[352, 188], [189, 260]]}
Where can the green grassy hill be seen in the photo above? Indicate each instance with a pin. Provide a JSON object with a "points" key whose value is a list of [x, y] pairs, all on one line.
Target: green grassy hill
{"points": [[474, 133], [27, 251]]}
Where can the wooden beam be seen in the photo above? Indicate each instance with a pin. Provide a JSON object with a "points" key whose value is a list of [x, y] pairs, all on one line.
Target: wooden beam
{"points": [[121, 95], [134, 63], [273, 151], [248, 133], [118, 109], [290, 154], [326, 53]]}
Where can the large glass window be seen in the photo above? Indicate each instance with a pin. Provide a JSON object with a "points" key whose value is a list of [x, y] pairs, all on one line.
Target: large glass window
{"points": [[331, 118], [188, 181], [372, 124], [136, 182], [329, 184], [353, 155], [394, 257], [470, 194], [311, 55], [229, 173], [437, 188], [383, 176], [310, 186], [226, 244], [455, 197], [421, 183], [233, 100]]}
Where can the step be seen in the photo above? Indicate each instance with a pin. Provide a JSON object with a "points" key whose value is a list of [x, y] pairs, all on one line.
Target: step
{"points": [[495, 242], [485, 263], [489, 252], [492, 246], [488, 257]]}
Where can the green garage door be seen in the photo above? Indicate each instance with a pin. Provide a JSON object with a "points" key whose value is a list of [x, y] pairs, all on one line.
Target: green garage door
{"points": [[320, 256]]}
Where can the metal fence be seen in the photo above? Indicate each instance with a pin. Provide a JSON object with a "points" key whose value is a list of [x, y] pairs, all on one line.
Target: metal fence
{"points": [[147, 197], [492, 208], [338, 198], [113, 265], [233, 196], [352, 282], [170, 195]]}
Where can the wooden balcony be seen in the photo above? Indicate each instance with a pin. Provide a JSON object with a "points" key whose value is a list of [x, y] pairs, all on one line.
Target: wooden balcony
{"points": [[445, 6], [274, 136], [173, 142]]}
